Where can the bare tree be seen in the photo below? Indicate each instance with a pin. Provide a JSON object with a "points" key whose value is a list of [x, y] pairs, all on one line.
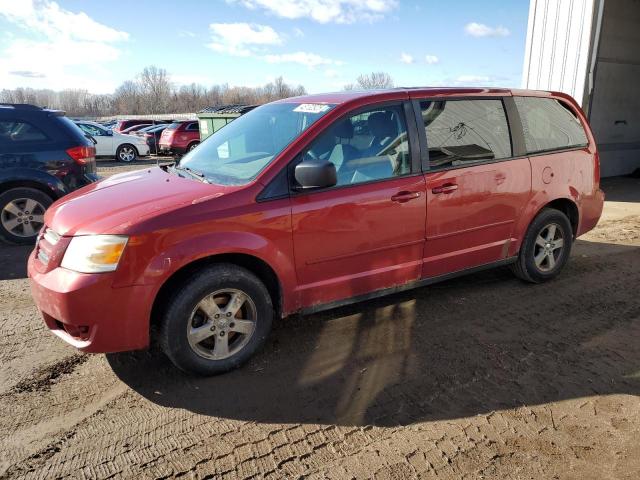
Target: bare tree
{"points": [[151, 92], [371, 81], [156, 89]]}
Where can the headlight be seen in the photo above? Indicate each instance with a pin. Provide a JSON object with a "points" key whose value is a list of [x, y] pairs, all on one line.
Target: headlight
{"points": [[94, 253]]}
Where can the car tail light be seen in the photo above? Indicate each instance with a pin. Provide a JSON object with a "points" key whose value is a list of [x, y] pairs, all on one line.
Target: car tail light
{"points": [[82, 154]]}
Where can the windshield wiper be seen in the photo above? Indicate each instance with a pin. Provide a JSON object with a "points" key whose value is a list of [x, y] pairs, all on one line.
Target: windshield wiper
{"points": [[193, 173]]}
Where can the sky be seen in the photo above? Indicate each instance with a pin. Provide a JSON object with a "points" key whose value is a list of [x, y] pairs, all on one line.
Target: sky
{"points": [[321, 44]]}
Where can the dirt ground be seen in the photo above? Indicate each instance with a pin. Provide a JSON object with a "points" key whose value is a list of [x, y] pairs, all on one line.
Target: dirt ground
{"points": [[479, 377]]}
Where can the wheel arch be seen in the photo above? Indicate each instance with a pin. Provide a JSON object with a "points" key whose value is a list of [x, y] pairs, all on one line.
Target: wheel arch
{"points": [[569, 208], [127, 144], [52, 192], [566, 205], [255, 265]]}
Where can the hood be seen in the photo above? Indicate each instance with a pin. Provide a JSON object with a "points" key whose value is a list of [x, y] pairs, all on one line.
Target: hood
{"points": [[118, 203]]}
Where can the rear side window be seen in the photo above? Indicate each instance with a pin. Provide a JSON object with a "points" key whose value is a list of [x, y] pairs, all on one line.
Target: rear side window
{"points": [[15, 131], [192, 126], [549, 125], [464, 132]]}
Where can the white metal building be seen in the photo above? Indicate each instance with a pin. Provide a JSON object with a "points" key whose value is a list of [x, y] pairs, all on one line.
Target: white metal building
{"points": [[590, 49]]}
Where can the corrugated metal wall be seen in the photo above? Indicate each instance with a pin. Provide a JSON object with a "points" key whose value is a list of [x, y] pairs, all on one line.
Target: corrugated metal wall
{"points": [[559, 38]]}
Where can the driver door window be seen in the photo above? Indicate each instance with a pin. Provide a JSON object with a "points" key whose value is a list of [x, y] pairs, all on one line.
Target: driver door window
{"points": [[372, 145]]}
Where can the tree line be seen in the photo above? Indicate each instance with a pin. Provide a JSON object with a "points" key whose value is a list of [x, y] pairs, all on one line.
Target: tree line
{"points": [[153, 92]]}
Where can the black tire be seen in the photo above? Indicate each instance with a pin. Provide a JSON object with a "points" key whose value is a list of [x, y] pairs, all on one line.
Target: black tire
{"points": [[526, 267], [192, 146], [182, 312], [126, 148], [16, 234]]}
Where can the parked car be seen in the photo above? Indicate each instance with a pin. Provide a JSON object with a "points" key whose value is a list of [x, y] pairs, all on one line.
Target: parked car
{"points": [[151, 136], [43, 156], [287, 209], [110, 143], [124, 124], [180, 137], [135, 128]]}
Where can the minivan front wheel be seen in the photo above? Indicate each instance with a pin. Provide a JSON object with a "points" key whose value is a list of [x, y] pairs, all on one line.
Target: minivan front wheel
{"points": [[22, 214], [545, 248], [216, 321]]}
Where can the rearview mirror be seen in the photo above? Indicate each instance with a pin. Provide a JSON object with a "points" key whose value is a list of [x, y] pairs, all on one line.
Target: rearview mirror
{"points": [[315, 174]]}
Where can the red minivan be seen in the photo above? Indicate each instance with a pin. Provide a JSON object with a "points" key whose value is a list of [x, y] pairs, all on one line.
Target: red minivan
{"points": [[313, 202]]}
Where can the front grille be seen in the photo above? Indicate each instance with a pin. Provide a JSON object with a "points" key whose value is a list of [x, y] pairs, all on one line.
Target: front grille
{"points": [[45, 246], [43, 257], [50, 236]]}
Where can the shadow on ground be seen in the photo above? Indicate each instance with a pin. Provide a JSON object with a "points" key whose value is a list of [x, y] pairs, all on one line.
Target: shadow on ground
{"points": [[13, 261], [465, 347], [622, 189]]}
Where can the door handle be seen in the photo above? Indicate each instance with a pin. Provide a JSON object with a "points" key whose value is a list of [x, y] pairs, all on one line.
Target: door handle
{"points": [[404, 196], [446, 188]]}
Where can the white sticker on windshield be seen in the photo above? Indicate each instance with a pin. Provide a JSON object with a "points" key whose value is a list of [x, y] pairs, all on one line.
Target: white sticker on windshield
{"points": [[311, 108]]}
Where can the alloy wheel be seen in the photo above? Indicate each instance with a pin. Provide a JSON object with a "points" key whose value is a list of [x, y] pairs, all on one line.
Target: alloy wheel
{"points": [[221, 324], [548, 247], [127, 154], [23, 217]]}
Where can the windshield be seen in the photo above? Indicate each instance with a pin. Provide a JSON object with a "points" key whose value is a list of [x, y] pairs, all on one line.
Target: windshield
{"points": [[238, 152]]}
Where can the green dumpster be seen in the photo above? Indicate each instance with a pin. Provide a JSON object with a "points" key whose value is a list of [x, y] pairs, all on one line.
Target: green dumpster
{"points": [[212, 119]]}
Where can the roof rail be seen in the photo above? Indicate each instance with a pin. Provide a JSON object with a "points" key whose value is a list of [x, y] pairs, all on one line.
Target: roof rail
{"points": [[21, 106]]}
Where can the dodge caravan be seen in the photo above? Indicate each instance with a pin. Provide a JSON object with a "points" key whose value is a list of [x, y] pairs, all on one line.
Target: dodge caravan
{"points": [[313, 202]]}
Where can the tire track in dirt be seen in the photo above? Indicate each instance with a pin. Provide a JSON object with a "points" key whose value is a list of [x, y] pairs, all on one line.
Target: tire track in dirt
{"points": [[481, 376]]}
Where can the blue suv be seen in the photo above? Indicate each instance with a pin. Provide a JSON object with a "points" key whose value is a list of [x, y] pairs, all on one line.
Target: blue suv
{"points": [[43, 156]]}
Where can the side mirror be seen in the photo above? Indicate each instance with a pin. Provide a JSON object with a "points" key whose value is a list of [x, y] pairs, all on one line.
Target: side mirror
{"points": [[109, 133], [315, 174]]}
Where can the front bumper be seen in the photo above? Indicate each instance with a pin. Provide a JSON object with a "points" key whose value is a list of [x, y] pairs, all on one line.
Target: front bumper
{"points": [[86, 311]]}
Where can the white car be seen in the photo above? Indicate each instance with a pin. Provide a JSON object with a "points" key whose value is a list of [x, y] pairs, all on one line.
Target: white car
{"points": [[123, 147]]}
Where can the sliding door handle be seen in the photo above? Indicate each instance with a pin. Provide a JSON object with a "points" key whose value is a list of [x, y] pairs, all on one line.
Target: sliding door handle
{"points": [[404, 196]]}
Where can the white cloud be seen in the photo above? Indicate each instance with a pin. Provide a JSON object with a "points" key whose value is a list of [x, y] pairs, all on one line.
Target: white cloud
{"points": [[406, 58], [481, 30], [242, 39], [431, 59], [324, 11], [310, 60], [48, 18], [331, 73], [298, 32], [59, 48]]}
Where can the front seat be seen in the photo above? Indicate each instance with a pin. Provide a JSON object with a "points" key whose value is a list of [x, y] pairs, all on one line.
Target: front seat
{"points": [[342, 152], [384, 130]]}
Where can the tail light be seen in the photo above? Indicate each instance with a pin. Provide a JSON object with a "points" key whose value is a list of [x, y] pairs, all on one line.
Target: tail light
{"points": [[82, 154]]}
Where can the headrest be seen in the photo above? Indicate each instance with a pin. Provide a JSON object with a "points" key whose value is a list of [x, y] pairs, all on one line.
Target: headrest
{"points": [[382, 125], [343, 129]]}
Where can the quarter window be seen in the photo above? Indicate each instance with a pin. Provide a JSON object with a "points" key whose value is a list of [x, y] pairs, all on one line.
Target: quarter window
{"points": [[549, 125], [17, 132], [463, 132], [372, 145]]}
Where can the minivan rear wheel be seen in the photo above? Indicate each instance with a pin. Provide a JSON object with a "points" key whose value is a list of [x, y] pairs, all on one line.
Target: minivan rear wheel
{"points": [[22, 214], [545, 248], [216, 321]]}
